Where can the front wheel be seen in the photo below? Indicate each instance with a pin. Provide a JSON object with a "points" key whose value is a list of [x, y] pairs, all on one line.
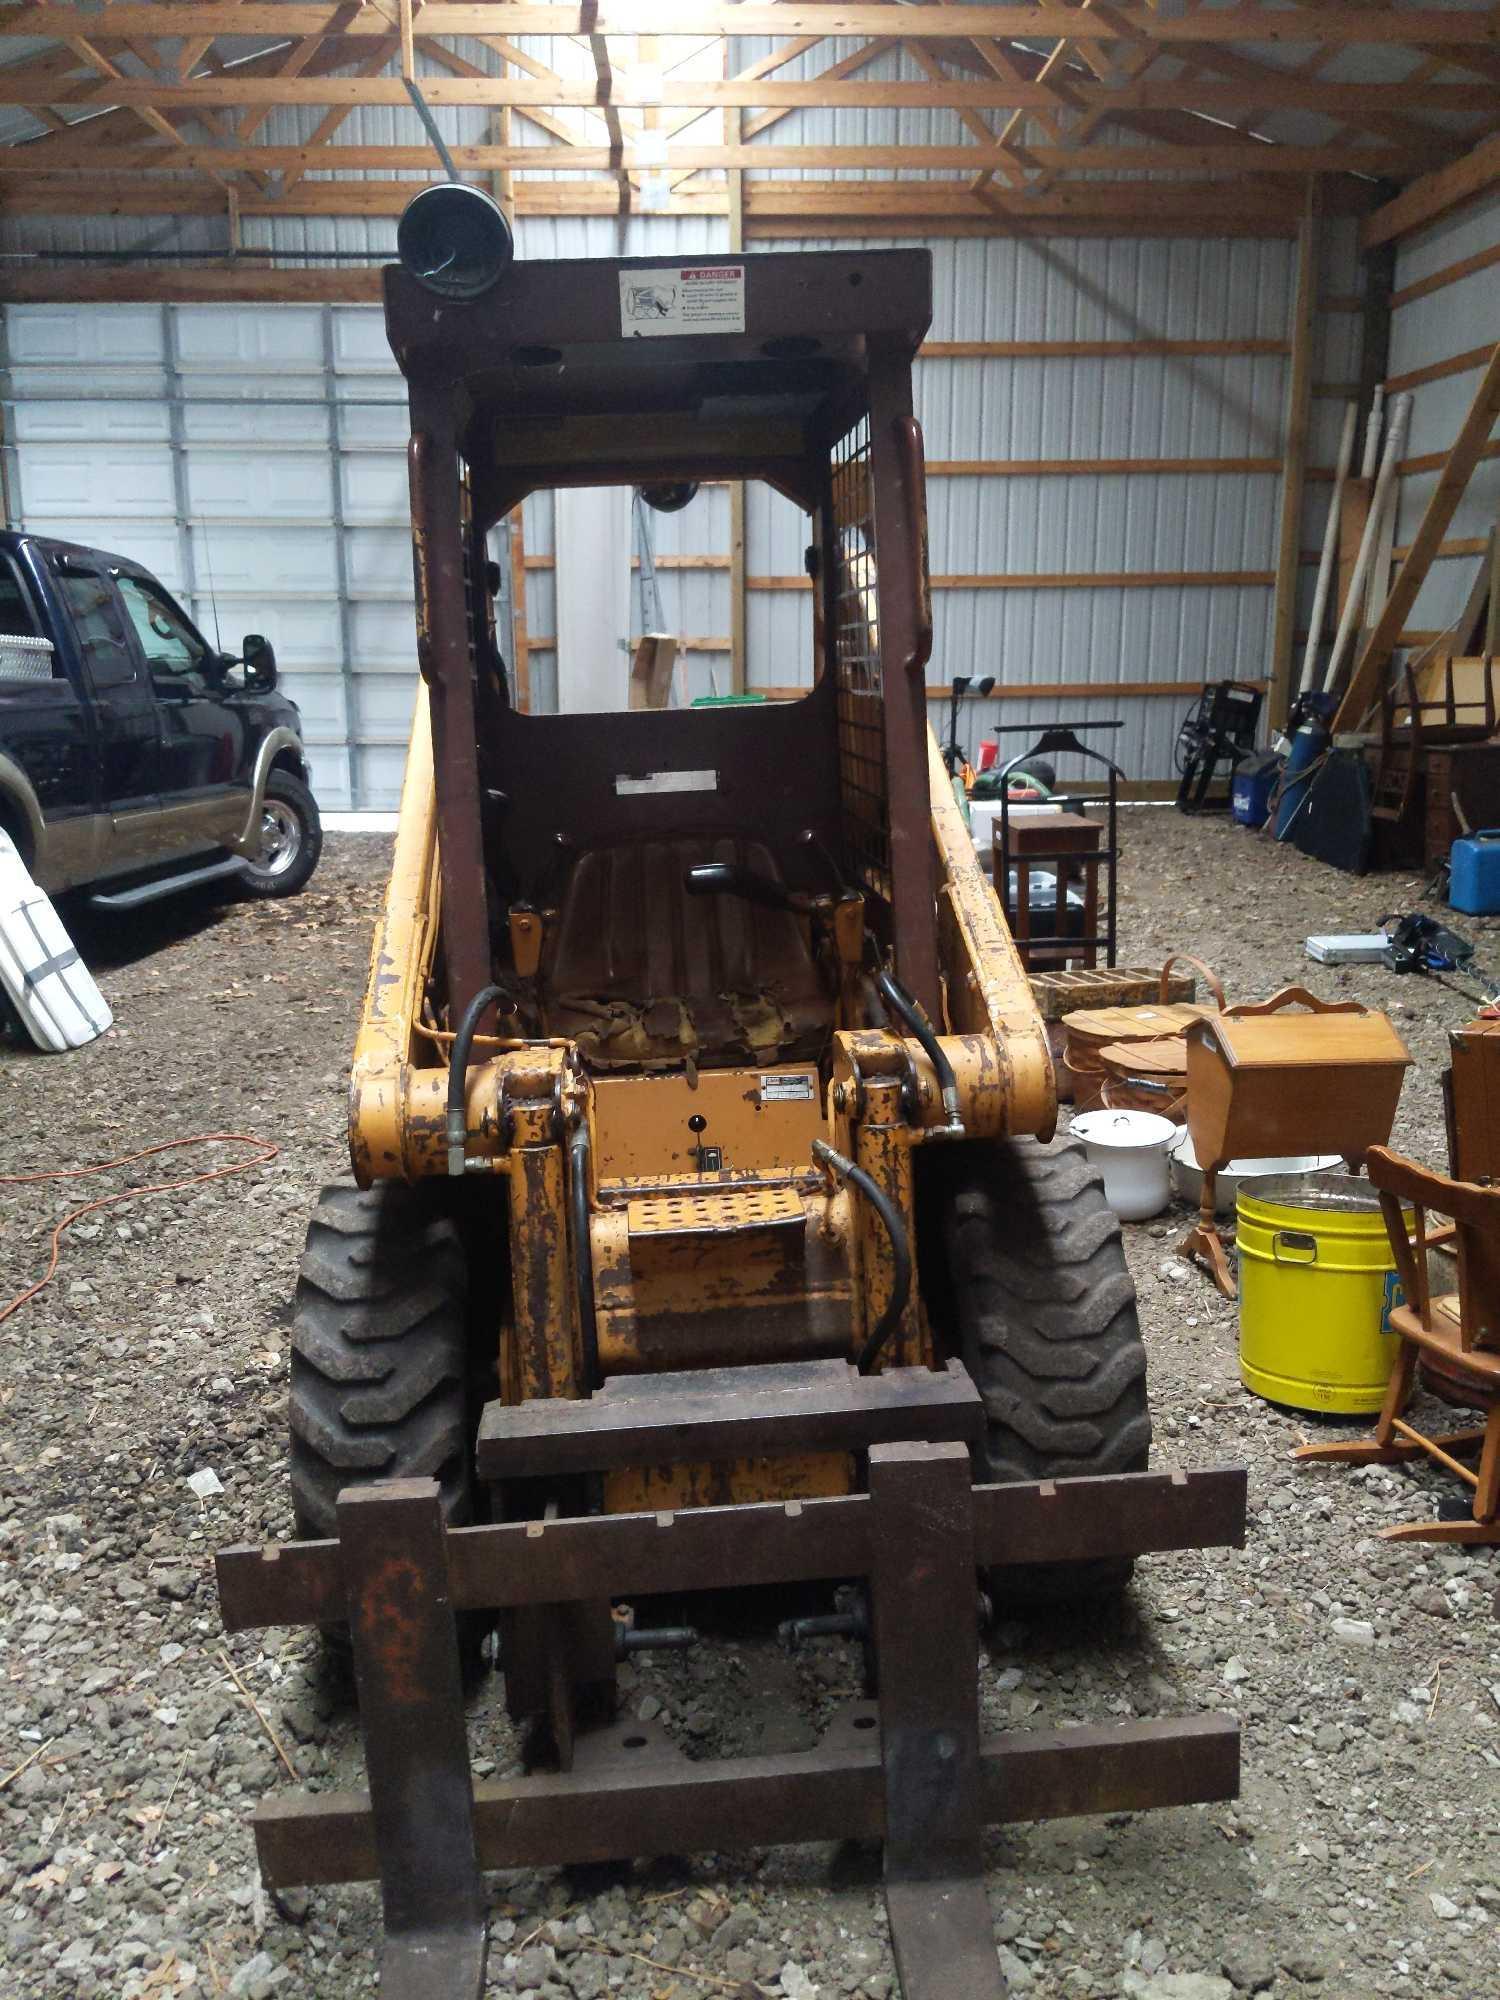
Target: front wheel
{"points": [[291, 839], [1037, 1298]]}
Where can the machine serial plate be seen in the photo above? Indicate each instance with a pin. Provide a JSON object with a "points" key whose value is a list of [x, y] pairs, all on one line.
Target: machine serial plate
{"points": [[793, 1087]]}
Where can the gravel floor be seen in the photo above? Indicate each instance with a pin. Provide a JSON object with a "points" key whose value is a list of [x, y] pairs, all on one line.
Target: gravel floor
{"points": [[1360, 1860]]}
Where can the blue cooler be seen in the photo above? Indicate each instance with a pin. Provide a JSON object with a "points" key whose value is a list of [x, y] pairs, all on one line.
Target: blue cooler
{"points": [[1474, 873], [1251, 787]]}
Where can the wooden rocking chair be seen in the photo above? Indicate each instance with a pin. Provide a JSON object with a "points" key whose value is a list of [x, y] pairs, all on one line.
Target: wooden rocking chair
{"points": [[1459, 1336]]}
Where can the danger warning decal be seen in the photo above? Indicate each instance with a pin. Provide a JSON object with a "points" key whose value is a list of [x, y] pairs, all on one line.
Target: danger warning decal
{"points": [[697, 298]]}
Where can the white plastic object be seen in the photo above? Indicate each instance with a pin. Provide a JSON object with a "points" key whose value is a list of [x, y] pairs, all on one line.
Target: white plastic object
{"points": [[48, 983], [1187, 1176], [1330, 548], [1385, 495], [1129, 1148]]}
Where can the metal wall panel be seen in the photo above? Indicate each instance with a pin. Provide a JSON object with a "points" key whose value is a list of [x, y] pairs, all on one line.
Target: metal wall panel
{"points": [[1220, 406], [298, 514], [1447, 322]]}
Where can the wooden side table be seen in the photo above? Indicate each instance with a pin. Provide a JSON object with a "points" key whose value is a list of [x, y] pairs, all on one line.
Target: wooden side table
{"points": [[1068, 844]]}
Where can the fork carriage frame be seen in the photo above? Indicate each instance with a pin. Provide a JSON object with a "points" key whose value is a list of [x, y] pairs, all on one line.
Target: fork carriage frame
{"points": [[922, 1781]]}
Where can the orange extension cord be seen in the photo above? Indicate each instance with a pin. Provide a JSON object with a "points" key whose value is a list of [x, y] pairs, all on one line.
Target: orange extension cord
{"points": [[264, 1153]]}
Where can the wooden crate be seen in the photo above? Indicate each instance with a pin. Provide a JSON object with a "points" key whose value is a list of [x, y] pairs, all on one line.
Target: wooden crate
{"points": [[1059, 993]]}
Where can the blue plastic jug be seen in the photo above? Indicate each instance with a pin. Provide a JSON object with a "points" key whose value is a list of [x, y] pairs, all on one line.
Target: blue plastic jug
{"points": [[1474, 873]]}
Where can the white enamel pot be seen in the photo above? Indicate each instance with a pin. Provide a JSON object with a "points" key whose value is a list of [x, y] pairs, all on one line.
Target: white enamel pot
{"points": [[1129, 1148]]}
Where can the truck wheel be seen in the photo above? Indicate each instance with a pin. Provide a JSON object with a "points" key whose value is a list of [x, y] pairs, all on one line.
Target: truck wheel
{"points": [[379, 1352], [291, 834], [1044, 1309]]}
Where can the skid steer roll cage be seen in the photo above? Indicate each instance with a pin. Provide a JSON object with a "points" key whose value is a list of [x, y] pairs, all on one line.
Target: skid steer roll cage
{"points": [[537, 388], [912, 1772]]}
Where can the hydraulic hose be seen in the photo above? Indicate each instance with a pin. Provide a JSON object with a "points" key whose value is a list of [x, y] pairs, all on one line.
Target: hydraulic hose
{"points": [[458, 1066], [583, 1261], [894, 1224], [905, 1007]]}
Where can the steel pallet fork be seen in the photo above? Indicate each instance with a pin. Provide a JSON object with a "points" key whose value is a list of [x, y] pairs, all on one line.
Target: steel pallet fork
{"points": [[911, 1771]]}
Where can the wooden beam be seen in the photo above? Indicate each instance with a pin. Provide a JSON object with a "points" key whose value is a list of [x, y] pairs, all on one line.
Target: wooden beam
{"points": [[1434, 195], [1090, 468], [1451, 274], [187, 284], [1459, 465], [1437, 371], [1128, 579], [1266, 224], [27, 85], [1336, 27], [1204, 205], [1240, 159], [1294, 459], [1106, 350]]}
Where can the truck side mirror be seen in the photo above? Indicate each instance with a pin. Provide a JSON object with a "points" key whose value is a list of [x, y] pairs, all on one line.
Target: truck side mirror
{"points": [[259, 656]]}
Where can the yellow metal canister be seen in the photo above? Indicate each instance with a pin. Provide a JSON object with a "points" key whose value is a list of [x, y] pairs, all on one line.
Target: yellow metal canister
{"points": [[1317, 1283]]}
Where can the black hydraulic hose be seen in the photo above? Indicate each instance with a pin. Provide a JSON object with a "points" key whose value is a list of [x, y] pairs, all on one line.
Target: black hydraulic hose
{"points": [[894, 1224], [458, 1066], [902, 1004], [583, 1261]]}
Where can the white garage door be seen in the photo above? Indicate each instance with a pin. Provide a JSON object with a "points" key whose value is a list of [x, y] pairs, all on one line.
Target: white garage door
{"points": [[255, 460]]}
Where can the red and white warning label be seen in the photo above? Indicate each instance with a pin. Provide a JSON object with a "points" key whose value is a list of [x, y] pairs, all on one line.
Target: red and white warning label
{"points": [[695, 298]]}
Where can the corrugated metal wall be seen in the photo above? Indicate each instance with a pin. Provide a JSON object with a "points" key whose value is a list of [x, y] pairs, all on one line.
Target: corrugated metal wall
{"points": [[1431, 328], [1051, 408]]}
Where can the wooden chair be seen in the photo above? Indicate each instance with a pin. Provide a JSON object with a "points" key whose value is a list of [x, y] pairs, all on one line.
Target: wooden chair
{"points": [[1458, 1335]]}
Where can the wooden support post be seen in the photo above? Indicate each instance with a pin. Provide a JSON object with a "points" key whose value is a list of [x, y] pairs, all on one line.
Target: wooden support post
{"points": [[1364, 683], [1294, 458], [519, 641]]}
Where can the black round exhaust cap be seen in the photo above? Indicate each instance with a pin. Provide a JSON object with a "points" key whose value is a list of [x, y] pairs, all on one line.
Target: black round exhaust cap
{"points": [[455, 240]]}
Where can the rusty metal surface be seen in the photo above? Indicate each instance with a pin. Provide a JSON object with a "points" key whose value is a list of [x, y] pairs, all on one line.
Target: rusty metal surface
{"points": [[760, 1291], [533, 1562], [914, 1771], [439, 531], [639, 1803], [728, 1412], [900, 536], [728, 1482], [406, 1668], [645, 971], [926, 1636], [1115, 1514]]}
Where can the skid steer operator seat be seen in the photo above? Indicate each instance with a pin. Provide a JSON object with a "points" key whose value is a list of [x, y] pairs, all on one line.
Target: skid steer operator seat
{"points": [[649, 975]]}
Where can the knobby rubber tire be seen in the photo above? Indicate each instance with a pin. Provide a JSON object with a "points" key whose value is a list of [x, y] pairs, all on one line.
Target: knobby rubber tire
{"points": [[1044, 1310], [379, 1376]]}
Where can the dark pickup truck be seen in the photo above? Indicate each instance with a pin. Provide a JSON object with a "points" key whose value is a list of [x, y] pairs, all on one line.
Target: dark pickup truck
{"points": [[135, 758]]}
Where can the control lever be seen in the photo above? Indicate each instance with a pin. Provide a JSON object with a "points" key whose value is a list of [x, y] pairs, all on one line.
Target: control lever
{"points": [[728, 878]]}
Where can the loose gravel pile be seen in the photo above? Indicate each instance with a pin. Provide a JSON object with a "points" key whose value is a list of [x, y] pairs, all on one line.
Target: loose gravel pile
{"points": [[142, 1412]]}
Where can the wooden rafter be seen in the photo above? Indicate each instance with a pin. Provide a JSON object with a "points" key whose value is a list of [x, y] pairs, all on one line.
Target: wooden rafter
{"points": [[1031, 115], [1336, 25], [1255, 85], [1239, 157]]}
